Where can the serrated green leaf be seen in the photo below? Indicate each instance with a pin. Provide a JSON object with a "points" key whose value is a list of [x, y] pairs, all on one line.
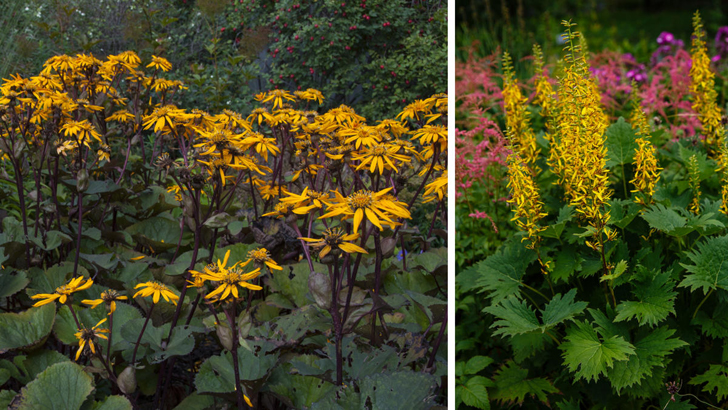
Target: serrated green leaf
{"points": [[516, 317], [655, 300], [589, 355], [620, 143], [650, 351], [476, 363], [716, 378], [61, 386], [710, 269], [716, 323], [617, 272], [512, 385], [25, 329], [528, 344], [501, 274], [666, 220], [561, 309], [475, 393]]}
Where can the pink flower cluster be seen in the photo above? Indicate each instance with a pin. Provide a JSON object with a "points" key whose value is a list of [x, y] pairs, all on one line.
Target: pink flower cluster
{"points": [[475, 82], [482, 151]]}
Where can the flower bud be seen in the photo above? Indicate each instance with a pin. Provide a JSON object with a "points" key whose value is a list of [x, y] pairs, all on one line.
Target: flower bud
{"points": [[127, 380], [82, 180], [225, 334], [319, 285]]}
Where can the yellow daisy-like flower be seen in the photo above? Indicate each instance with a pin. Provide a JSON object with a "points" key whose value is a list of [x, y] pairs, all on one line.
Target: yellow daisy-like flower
{"points": [[335, 239], [278, 96], [63, 292], [436, 189], [156, 290], [380, 157], [164, 116], [109, 297], [262, 145], [82, 130], [87, 336], [160, 63], [304, 203], [262, 257], [229, 280], [376, 206]]}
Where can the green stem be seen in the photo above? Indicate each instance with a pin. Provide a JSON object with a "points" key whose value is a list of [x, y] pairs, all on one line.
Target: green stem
{"points": [[701, 302]]}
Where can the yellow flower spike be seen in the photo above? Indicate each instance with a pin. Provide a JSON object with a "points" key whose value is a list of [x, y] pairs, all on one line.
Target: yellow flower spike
{"points": [[703, 89], [518, 123], [694, 181]]}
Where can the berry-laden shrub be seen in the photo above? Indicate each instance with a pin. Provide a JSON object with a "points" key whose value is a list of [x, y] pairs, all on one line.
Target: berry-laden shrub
{"points": [[384, 53]]}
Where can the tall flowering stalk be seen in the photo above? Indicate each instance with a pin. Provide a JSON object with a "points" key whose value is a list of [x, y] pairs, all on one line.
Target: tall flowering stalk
{"points": [[581, 149], [517, 117], [647, 173], [694, 180], [546, 98], [529, 207], [703, 89]]}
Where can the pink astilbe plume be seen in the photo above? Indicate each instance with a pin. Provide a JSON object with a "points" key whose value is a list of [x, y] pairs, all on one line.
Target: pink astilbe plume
{"points": [[667, 95], [475, 82], [610, 68], [482, 152]]}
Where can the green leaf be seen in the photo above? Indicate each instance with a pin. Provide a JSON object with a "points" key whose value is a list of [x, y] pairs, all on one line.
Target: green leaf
{"points": [[667, 220], [11, 284], [474, 392], [216, 374], [715, 324], [617, 272], [400, 390], [30, 366], [650, 352], [512, 385], [159, 233], [716, 378], [476, 364], [26, 329], [180, 343], [301, 391], [655, 300], [113, 403], [561, 309], [196, 402], [620, 143], [501, 274], [516, 317], [710, 269], [588, 355], [62, 386]]}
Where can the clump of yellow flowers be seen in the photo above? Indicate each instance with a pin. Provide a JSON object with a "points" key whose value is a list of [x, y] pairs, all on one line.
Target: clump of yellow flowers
{"points": [[581, 150], [529, 208], [703, 89], [522, 138], [647, 173]]}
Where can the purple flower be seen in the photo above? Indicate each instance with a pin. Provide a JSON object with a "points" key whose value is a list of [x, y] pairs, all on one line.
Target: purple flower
{"points": [[665, 38], [715, 58], [721, 41]]}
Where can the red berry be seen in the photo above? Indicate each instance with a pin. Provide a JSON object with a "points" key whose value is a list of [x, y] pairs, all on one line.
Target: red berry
{"points": [[382, 66], [296, 37]]}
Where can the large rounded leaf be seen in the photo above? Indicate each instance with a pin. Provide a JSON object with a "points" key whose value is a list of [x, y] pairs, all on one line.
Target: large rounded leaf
{"points": [[26, 329], [63, 386]]}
